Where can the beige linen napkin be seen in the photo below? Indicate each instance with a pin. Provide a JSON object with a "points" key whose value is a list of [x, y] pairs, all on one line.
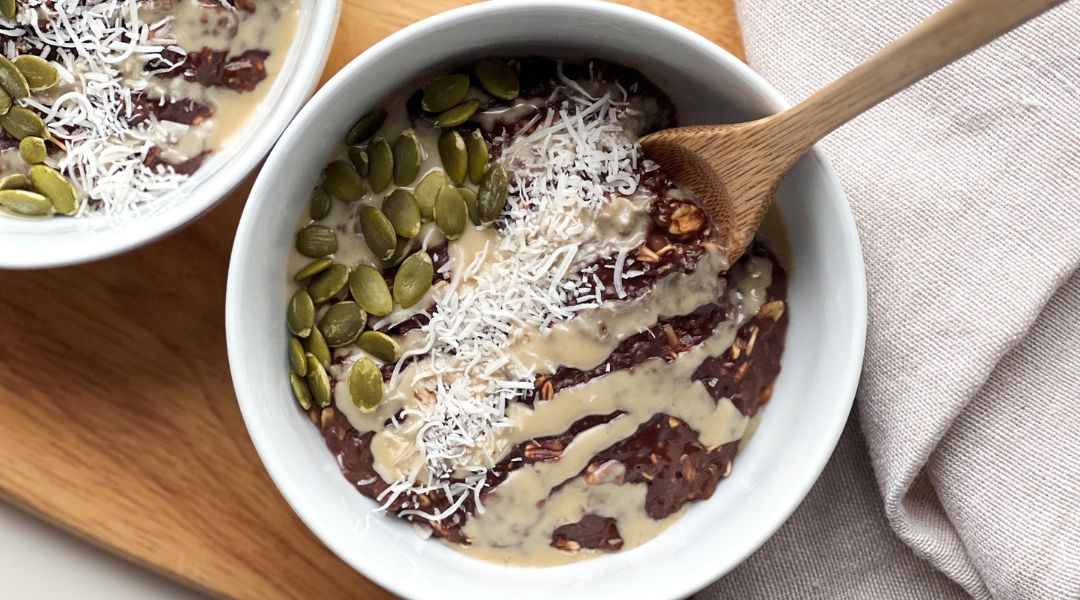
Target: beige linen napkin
{"points": [[961, 470]]}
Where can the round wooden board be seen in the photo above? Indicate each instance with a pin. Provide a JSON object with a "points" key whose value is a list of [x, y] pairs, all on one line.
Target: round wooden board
{"points": [[117, 414]]}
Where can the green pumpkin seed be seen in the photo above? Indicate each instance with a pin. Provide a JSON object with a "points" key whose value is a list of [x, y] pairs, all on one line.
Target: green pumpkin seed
{"points": [[470, 202], [359, 159], [32, 150], [12, 80], [297, 360], [39, 73], [379, 345], [54, 186], [316, 345], [366, 127], [426, 191], [404, 247], [5, 102], [318, 381], [413, 279], [300, 317], [15, 181], [300, 391], [319, 205], [497, 78], [365, 385], [408, 154], [378, 232], [341, 181], [342, 323], [444, 92], [369, 290], [401, 209], [7, 9], [21, 122], [24, 202], [454, 157], [316, 241], [313, 268], [457, 115], [491, 197], [327, 284], [477, 149], [451, 212], [380, 164]]}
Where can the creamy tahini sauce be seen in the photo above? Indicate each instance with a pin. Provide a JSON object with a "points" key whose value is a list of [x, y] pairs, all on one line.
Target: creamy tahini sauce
{"points": [[272, 27]]}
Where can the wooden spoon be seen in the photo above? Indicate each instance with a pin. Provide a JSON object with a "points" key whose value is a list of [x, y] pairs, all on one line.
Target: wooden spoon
{"points": [[736, 169]]}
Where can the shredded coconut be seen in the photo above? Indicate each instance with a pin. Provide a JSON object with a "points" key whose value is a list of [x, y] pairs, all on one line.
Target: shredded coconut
{"points": [[563, 167]]}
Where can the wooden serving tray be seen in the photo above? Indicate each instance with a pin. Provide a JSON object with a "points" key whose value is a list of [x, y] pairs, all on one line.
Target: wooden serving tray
{"points": [[117, 414]]}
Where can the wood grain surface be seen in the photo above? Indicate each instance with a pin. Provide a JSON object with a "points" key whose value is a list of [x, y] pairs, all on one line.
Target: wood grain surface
{"points": [[117, 414]]}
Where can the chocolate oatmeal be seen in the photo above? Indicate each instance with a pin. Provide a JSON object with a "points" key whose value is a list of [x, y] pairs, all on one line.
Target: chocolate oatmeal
{"points": [[515, 331], [115, 103]]}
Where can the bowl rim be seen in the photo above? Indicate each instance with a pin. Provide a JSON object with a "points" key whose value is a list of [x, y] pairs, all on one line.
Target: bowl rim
{"points": [[264, 444], [300, 82]]}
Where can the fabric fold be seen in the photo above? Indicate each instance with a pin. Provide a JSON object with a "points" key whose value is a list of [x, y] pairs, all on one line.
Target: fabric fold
{"points": [[966, 192]]}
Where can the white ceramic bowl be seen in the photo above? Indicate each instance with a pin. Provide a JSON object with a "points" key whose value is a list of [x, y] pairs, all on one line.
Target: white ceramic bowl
{"points": [[38, 243], [801, 423]]}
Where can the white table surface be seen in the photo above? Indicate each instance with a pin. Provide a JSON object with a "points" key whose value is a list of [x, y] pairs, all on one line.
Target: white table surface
{"points": [[39, 561]]}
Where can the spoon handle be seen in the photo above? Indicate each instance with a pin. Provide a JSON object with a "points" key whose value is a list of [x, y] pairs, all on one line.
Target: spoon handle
{"points": [[948, 35]]}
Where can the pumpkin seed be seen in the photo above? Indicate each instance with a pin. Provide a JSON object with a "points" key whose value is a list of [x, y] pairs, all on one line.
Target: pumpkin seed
{"points": [[297, 360], [342, 323], [318, 381], [413, 279], [379, 345], [404, 246], [32, 150], [470, 202], [341, 181], [497, 78], [365, 385], [313, 268], [21, 122], [444, 92], [380, 164], [477, 149], [378, 232], [54, 186], [401, 209], [369, 290], [457, 115], [408, 154], [12, 80], [327, 284], [316, 345], [359, 159], [316, 241], [366, 127], [455, 159], [451, 212], [300, 391], [426, 191], [5, 102], [25, 202], [300, 317], [7, 9], [39, 73], [491, 197], [15, 181], [319, 205]]}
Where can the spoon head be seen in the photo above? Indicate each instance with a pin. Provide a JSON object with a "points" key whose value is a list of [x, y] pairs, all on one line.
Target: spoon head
{"points": [[708, 161]]}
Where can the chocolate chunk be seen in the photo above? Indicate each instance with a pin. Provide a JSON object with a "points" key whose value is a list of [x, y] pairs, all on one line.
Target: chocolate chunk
{"points": [[592, 531]]}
